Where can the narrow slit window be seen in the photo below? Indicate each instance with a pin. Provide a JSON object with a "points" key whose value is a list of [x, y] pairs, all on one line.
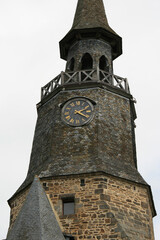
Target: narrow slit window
{"points": [[82, 182]]}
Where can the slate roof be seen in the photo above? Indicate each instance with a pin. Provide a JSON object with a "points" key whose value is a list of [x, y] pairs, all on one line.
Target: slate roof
{"points": [[90, 21], [57, 168], [91, 14], [36, 219]]}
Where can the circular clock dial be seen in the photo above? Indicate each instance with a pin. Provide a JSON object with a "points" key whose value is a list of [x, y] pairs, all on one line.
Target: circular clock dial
{"points": [[77, 112]]}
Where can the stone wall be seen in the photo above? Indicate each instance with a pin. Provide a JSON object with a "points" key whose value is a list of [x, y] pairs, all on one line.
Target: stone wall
{"points": [[105, 208]]}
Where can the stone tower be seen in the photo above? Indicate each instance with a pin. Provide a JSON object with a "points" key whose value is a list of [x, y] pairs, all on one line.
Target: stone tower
{"points": [[83, 181]]}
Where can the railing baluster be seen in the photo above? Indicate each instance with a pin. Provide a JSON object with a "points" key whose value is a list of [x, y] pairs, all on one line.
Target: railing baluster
{"points": [[51, 86], [126, 85], [98, 74], [88, 75], [80, 77], [62, 78]]}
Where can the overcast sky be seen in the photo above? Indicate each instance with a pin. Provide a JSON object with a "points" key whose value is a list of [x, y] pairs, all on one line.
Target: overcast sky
{"points": [[30, 31]]}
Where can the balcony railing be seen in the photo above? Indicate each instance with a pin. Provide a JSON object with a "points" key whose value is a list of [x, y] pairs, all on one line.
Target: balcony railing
{"points": [[85, 76]]}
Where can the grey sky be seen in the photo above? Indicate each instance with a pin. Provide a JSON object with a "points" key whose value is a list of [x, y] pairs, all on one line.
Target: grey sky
{"points": [[29, 58]]}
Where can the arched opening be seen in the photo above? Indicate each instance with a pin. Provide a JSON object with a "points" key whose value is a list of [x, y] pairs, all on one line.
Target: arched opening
{"points": [[86, 62], [70, 65], [103, 64]]}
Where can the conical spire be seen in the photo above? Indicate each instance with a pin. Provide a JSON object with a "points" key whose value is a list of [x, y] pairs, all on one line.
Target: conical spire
{"points": [[90, 21], [36, 219], [91, 14]]}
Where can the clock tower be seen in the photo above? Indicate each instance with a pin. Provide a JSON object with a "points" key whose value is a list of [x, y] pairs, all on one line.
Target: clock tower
{"points": [[83, 181]]}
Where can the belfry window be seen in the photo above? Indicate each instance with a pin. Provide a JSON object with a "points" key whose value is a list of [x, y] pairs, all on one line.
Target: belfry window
{"points": [[86, 62], [103, 64], [70, 65]]}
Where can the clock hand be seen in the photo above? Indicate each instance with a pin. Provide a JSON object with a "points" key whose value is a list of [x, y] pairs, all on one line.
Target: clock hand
{"points": [[84, 108], [79, 113]]}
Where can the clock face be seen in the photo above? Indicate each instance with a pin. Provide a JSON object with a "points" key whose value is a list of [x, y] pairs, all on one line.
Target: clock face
{"points": [[77, 112]]}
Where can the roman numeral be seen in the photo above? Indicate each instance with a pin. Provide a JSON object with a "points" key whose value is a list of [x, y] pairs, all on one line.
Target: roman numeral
{"points": [[68, 117], [72, 120], [66, 113]]}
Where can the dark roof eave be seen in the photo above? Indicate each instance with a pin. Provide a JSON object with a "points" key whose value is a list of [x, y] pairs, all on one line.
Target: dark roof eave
{"points": [[93, 33]]}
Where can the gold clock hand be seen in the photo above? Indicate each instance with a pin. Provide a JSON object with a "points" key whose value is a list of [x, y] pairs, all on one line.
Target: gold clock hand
{"points": [[76, 111], [84, 108], [81, 114]]}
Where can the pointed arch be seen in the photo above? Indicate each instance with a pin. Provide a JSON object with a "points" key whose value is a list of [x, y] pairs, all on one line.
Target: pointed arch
{"points": [[103, 64], [86, 62]]}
